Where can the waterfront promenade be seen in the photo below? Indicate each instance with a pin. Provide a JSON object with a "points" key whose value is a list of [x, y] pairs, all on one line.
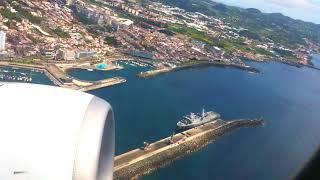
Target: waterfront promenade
{"points": [[141, 161]]}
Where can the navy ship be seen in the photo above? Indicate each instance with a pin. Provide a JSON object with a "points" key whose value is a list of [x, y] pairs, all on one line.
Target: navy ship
{"points": [[194, 120]]}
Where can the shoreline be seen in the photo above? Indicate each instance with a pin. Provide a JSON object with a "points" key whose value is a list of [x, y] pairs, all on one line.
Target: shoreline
{"points": [[287, 62], [199, 64], [81, 84]]}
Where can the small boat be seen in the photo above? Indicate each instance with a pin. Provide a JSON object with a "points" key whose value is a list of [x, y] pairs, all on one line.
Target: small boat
{"points": [[89, 69]]}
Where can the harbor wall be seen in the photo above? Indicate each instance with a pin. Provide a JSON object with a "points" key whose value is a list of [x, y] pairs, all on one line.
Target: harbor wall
{"points": [[103, 83], [195, 65], [163, 158]]}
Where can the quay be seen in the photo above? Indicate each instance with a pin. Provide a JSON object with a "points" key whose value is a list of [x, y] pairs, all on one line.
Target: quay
{"points": [[198, 64], [141, 161]]}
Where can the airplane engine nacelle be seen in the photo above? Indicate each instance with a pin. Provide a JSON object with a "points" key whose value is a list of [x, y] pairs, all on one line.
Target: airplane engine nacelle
{"points": [[51, 133]]}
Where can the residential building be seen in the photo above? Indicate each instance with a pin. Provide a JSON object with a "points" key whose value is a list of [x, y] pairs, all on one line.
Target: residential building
{"points": [[2, 41]]}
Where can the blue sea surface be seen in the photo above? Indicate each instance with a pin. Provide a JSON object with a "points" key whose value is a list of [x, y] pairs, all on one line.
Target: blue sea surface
{"points": [[37, 77], [316, 60], [288, 98]]}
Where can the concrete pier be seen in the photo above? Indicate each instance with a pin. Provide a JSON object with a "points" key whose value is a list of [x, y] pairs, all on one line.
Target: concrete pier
{"points": [[139, 162], [103, 83], [155, 72], [199, 64]]}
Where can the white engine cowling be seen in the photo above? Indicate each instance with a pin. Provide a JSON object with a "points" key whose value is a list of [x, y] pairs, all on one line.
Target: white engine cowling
{"points": [[51, 133]]}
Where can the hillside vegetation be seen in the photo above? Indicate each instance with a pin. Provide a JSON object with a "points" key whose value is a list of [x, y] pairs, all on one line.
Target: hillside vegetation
{"points": [[261, 26]]}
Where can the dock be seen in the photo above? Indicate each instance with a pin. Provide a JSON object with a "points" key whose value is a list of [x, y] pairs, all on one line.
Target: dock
{"points": [[142, 161]]}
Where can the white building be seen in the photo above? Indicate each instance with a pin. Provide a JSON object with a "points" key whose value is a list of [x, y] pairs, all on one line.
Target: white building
{"points": [[69, 2], [2, 40]]}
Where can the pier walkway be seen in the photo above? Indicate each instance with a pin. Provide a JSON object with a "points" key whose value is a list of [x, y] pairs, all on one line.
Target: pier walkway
{"points": [[141, 161]]}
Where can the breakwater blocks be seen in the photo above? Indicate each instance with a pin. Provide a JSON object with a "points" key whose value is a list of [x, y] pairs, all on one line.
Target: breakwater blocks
{"points": [[156, 72], [139, 162]]}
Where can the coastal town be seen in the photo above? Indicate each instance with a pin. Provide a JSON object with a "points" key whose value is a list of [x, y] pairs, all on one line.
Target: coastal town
{"points": [[58, 35], [58, 30]]}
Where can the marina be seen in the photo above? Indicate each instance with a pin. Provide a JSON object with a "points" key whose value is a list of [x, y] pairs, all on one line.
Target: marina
{"points": [[57, 75], [15, 75]]}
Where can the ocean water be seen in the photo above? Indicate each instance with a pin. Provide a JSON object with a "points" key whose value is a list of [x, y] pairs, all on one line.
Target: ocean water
{"points": [[287, 97], [8, 74], [316, 60]]}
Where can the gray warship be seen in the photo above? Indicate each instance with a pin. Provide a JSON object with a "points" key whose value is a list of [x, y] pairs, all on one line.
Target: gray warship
{"points": [[194, 120]]}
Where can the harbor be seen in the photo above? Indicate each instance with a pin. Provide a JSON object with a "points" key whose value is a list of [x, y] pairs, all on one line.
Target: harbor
{"points": [[142, 161], [59, 77], [58, 72], [245, 148]]}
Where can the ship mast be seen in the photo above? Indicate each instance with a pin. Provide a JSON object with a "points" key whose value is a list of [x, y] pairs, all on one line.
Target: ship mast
{"points": [[202, 112]]}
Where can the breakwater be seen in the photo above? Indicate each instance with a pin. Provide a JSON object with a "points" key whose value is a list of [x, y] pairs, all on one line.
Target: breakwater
{"points": [[296, 64], [103, 83], [155, 72], [139, 162]]}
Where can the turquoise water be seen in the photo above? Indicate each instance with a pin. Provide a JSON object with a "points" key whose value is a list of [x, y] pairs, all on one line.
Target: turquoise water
{"points": [[102, 66], [287, 97], [129, 73]]}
